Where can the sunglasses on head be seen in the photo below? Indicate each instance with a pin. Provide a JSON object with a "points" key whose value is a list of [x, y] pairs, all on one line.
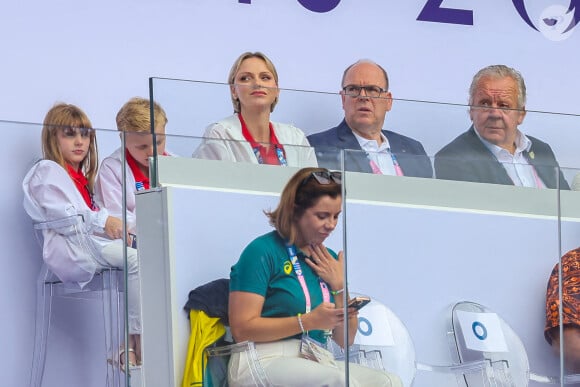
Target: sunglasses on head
{"points": [[72, 132], [325, 177]]}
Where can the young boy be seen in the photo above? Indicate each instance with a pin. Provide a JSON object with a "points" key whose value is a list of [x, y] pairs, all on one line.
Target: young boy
{"points": [[134, 120]]}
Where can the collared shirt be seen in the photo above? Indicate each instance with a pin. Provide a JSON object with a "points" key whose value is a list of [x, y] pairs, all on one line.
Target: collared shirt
{"points": [[378, 154], [517, 166]]}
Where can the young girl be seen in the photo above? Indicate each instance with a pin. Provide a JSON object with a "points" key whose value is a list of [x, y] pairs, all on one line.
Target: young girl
{"points": [[61, 186]]}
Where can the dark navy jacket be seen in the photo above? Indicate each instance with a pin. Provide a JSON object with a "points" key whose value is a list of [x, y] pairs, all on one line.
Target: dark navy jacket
{"points": [[410, 153]]}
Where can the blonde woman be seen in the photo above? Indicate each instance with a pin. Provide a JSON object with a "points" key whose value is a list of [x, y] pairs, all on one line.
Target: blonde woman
{"points": [[249, 135]]}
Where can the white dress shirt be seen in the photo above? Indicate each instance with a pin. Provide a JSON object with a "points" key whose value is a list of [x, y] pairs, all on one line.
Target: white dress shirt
{"points": [[379, 154], [517, 166]]}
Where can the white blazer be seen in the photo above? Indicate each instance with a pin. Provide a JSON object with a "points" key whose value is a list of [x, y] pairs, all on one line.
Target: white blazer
{"points": [[223, 140], [50, 194], [109, 188]]}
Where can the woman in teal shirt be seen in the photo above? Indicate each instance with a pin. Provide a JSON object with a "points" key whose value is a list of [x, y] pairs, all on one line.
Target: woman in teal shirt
{"points": [[287, 285]]}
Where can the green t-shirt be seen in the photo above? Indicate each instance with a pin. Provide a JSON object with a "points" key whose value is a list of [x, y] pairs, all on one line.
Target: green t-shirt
{"points": [[264, 268]]}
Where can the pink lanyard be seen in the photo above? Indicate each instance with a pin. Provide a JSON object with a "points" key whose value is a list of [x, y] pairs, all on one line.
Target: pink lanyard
{"points": [[298, 270], [398, 170], [377, 171], [539, 182]]}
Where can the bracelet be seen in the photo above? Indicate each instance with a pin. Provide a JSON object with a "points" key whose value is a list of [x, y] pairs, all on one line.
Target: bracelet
{"points": [[336, 292], [300, 322]]}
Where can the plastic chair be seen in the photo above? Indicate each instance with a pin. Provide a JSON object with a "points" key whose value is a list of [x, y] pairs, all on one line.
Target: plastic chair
{"points": [[212, 300], [480, 334], [384, 342], [217, 365], [106, 286]]}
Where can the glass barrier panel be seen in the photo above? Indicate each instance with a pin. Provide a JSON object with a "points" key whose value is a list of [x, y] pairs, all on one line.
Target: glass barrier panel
{"points": [[483, 236], [112, 195], [203, 230], [562, 296], [420, 246], [77, 308]]}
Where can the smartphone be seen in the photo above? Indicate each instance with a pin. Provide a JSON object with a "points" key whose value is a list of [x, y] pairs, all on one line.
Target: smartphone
{"points": [[359, 302]]}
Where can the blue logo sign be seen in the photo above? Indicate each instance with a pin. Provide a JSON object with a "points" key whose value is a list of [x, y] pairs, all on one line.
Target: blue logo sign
{"points": [[433, 12], [364, 326], [555, 22], [479, 330], [320, 6]]}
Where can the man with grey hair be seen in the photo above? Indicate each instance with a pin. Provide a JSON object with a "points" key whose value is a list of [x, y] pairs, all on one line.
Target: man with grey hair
{"points": [[366, 99], [494, 150]]}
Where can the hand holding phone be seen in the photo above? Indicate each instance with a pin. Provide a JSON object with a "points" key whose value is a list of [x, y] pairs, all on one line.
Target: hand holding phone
{"points": [[358, 302]]}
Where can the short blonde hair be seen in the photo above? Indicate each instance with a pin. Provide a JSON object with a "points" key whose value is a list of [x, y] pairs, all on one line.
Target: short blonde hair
{"points": [[300, 193], [135, 116], [62, 116], [236, 67]]}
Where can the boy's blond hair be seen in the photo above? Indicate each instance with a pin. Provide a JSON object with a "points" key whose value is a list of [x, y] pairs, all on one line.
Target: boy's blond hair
{"points": [[135, 116]]}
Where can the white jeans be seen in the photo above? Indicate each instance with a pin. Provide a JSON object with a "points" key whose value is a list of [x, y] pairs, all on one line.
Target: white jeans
{"points": [[112, 256], [284, 367]]}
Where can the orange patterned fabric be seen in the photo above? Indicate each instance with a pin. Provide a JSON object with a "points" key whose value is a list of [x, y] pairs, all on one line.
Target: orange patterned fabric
{"points": [[570, 294]]}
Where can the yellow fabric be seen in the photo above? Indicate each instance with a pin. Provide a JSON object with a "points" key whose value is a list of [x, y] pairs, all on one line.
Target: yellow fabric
{"points": [[205, 331]]}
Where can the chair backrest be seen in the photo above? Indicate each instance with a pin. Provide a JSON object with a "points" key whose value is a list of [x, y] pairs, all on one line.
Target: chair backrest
{"points": [[481, 334], [67, 249], [382, 334]]}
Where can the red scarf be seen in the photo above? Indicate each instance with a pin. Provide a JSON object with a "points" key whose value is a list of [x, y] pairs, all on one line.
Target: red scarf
{"points": [[139, 176], [82, 185], [141, 179], [269, 155]]}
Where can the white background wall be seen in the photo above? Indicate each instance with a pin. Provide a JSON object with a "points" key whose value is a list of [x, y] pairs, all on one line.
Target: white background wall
{"points": [[98, 55]]}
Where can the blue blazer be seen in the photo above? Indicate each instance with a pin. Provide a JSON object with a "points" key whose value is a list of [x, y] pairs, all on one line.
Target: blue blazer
{"points": [[468, 159], [410, 153]]}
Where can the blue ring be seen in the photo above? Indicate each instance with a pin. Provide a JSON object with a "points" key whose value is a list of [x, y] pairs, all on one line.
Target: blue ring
{"points": [[369, 329], [476, 324]]}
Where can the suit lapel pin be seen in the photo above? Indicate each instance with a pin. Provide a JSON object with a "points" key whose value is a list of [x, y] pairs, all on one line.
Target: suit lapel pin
{"points": [[532, 155]]}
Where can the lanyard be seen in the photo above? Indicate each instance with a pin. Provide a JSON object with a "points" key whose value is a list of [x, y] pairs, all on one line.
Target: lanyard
{"points": [[263, 155], [260, 152], [291, 249], [539, 182], [377, 170]]}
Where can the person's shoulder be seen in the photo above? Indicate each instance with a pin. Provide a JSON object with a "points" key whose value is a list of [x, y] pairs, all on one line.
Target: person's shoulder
{"points": [[46, 171], [459, 145], [220, 128], [572, 257], [537, 143], [288, 132], [43, 167], [266, 240], [112, 159], [263, 246], [401, 138], [324, 137]]}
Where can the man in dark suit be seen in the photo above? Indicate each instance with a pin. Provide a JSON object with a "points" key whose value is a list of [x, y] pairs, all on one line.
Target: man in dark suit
{"points": [[494, 150], [366, 101]]}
